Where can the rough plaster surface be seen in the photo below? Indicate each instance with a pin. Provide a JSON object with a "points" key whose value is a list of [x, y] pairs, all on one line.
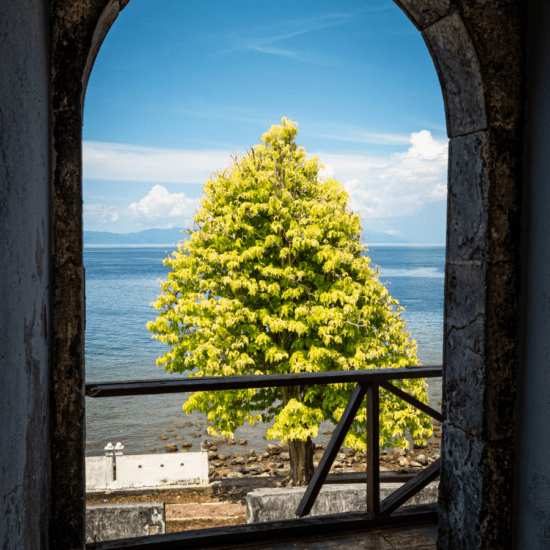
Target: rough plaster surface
{"points": [[122, 521], [24, 274], [275, 504], [77, 29], [532, 446]]}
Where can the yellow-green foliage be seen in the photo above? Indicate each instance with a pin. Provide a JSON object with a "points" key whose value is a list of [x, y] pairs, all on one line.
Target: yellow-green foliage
{"points": [[274, 279]]}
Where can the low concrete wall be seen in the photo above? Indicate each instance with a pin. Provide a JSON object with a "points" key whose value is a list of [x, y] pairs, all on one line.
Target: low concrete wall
{"points": [[121, 521], [146, 471], [278, 504], [153, 470]]}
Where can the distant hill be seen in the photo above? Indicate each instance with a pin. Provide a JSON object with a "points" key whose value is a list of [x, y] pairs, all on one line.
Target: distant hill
{"points": [[168, 236], [382, 238]]}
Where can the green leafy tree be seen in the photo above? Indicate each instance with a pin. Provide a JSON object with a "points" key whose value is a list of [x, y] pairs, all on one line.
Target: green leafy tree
{"points": [[274, 279]]}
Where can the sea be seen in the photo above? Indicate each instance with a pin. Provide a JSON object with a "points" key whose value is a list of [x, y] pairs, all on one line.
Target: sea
{"points": [[122, 283]]}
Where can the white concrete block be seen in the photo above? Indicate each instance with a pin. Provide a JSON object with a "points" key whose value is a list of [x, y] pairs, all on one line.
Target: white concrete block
{"points": [[99, 472], [161, 469]]}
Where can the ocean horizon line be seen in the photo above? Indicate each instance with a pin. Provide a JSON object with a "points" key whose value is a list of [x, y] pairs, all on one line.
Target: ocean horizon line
{"points": [[173, 245]]}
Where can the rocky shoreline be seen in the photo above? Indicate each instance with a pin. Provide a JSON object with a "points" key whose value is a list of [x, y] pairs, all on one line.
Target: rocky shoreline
{"points": [[275, 460]]}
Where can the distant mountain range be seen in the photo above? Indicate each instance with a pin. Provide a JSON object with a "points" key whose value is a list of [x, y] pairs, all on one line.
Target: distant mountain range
{"points": [[169, 236]]}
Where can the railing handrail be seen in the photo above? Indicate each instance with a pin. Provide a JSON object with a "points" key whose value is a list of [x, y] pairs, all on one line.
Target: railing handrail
{"points": [[213, 383]]}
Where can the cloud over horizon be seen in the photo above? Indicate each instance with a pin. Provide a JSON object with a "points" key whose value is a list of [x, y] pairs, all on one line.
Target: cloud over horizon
{"points": [[398, 185], [125, 162], [380, 187], [159, 209]]}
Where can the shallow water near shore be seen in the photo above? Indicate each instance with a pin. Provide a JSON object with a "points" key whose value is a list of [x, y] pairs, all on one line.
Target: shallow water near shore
{"points": [[121, 282]]}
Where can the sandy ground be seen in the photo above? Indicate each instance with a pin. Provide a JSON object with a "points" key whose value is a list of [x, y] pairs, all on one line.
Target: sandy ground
{"points": [[186, 511]]}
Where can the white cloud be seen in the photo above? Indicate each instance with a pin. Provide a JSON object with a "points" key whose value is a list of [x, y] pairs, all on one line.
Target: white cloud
{"points": [[398, 185], [379, 187], [358, 136], [159, 204], [392, 232], [100, 214], [159, 209], [272, 51], [123, 162]]}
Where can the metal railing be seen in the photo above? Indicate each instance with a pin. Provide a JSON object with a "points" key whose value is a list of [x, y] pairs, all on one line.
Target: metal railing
{"points": [[368, 382]]}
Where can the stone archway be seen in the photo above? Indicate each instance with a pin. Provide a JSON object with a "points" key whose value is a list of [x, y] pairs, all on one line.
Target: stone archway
{"points": [[477, 48]]}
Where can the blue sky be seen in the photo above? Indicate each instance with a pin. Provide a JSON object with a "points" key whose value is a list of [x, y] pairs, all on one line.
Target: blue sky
{"points": [[177, 86]]}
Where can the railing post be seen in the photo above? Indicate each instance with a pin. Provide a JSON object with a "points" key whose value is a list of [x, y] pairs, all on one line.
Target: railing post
{"points": [[373, 451]]}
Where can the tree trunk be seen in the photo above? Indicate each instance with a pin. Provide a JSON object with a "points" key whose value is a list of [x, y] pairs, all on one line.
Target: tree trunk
{"points": [[301, 461]]}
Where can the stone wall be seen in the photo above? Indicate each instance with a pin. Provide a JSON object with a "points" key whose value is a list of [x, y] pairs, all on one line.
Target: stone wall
{"points": [[25, 304], [122, 521], [478, 49]]}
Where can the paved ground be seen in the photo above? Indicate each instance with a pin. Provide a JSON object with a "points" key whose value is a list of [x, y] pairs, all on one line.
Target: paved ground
{"points": [[410, 537]]}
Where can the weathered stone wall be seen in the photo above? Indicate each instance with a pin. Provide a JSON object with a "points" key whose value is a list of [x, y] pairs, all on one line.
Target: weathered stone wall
{"points": [[478, 51], [25, 305], [123, 521], [532, 444], [77, 30]]}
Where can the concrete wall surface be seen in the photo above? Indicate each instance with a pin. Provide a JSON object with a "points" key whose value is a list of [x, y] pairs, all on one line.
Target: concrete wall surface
{"points": [[274, 504], [134, 471], [152, 470], [99, 472], [25, 305], [532, 436], [121, 521]]}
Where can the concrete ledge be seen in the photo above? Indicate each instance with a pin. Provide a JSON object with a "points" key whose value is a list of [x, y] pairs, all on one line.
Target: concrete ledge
{"points": [[279, 504], [120, 521], [239, 487]]}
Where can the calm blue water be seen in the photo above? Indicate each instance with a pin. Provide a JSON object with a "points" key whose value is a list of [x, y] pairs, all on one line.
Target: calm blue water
{"points": [[121, 283]]}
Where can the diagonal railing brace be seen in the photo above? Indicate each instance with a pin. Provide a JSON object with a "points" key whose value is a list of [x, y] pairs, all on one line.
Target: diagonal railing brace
{"points": [[331, 451], [409, 489], [411, 400]]}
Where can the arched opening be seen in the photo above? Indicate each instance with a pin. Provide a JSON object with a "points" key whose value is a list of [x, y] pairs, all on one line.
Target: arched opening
{"points": [[481, 251], [392, 162]]}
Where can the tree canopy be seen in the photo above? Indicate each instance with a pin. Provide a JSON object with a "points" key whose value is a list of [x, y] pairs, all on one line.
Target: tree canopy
{"points": [[274, 278]]}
